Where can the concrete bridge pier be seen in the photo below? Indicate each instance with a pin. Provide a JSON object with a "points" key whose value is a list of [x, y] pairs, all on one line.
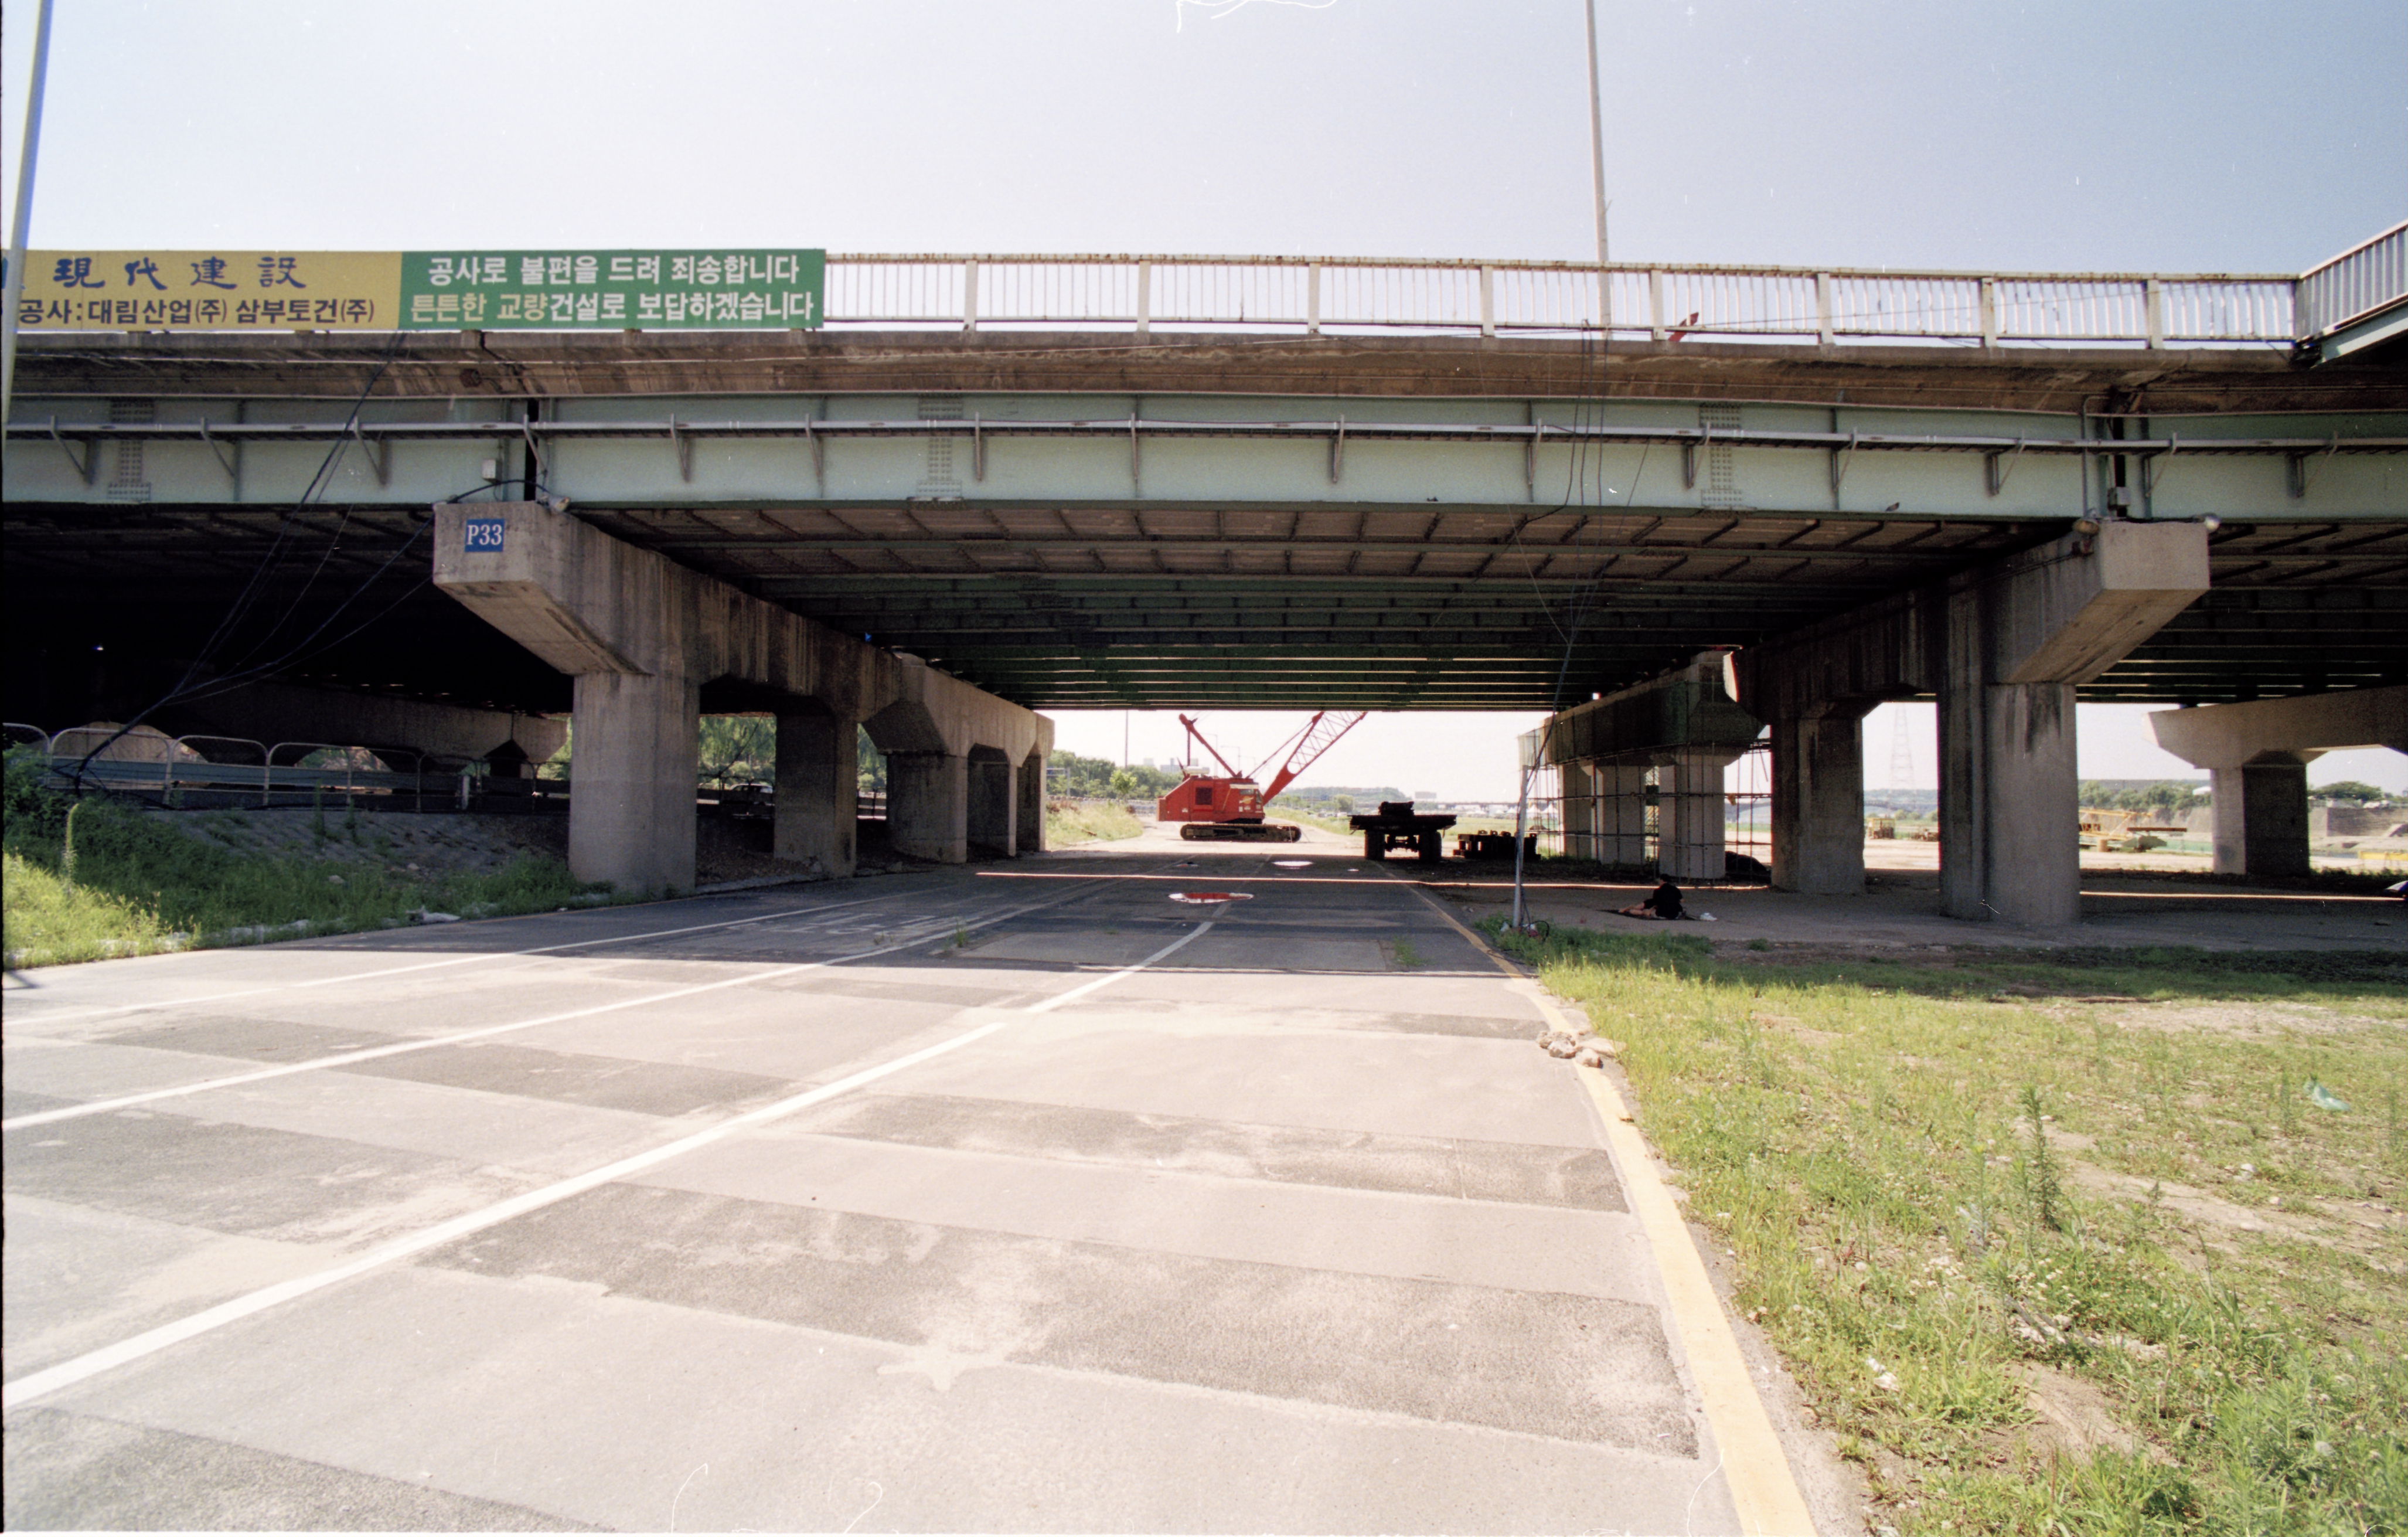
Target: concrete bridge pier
{"points": [[631, 816], [2003, 647], [819, 791], [1818, 802], [2256, 755], [2017, 637], [1686, 726], [1576, 790], [2262, 815], [949, 807], [1605, 812], [994, 810], [641, 635], [1691, 813], [929, 806], [2009, 843], [1028, 782], [1619, 824]]}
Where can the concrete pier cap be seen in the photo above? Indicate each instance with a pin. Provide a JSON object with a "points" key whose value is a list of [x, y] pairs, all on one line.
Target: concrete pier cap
{"points": [[643, 637], [2002, 647], [2256, 755], [1682, 724]]}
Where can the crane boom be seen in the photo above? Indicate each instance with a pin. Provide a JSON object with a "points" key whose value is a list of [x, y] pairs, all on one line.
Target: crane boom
{"points": [[1319, 735], [1210, 748]]}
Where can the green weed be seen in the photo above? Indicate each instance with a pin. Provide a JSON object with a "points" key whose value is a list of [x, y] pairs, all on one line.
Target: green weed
{"points": [[1988, 1172], [1073, 824], [94, 877]]}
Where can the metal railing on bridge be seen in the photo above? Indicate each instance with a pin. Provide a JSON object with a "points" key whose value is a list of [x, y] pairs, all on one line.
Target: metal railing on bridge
{"points": [[1663, 303], [2354, 286]]}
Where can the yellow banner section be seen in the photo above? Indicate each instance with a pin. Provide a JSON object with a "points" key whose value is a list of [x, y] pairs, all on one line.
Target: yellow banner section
{"points": [[211, 291]]}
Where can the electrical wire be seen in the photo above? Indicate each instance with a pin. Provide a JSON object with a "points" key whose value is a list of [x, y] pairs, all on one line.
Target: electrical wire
{"points": [[252, 587]]}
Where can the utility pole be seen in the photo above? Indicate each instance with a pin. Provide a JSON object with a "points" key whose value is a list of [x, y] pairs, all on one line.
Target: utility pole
{"points": [[32, 148], [1604, 339], [1597, 180]]}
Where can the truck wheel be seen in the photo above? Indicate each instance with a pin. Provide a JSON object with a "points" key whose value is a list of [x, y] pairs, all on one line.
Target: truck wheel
{"points": [[1374, 846], [1431, 848]]}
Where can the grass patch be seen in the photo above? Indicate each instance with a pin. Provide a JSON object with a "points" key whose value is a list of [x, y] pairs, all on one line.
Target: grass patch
{"points": [[1971, 1195], [1068, 824], [129, 883]]}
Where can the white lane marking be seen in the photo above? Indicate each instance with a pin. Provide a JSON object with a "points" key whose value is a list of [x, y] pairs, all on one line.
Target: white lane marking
{"points": [[369, 1054], [67, 1015], [67, 1373], [1047, 1006]]}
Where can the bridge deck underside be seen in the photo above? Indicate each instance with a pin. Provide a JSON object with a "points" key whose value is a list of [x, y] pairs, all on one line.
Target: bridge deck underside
{"points": [[1240, 571], [1069, 608]]}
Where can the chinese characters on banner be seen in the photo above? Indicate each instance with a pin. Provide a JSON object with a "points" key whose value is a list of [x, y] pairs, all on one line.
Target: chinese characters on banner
{"points": [[612, 289], [210, 291], [423, 290]]}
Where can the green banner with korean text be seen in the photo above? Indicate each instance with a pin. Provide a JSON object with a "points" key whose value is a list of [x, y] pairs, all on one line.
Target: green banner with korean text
{"points": [[613, 290]]}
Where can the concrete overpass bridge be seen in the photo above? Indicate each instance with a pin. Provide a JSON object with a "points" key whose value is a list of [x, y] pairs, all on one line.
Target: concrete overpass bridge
{"points": [[1156, 482]]}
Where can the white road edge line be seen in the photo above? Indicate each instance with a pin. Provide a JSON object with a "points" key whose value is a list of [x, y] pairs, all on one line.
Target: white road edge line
{"points": [[71, 1015], [109, 1357], [369, 1054]]}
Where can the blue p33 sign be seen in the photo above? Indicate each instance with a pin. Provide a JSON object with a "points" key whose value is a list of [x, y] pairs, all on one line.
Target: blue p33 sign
{"points": [[484, 534]]}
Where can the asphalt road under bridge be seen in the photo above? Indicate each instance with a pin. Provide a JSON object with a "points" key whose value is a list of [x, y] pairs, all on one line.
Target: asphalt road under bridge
{"points": [[986, 1198]]}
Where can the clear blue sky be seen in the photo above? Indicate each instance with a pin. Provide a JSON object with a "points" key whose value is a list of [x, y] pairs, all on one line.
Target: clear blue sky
{"points": [[2198, 135]]}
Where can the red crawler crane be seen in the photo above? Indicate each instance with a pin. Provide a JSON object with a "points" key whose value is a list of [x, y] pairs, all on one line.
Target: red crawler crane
{"points": [[1229, 806]]}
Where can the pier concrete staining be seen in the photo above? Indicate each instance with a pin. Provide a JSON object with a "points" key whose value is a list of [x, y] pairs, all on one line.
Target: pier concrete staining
{"points": [[649, 642], [2256, 755], [2003, 646]]}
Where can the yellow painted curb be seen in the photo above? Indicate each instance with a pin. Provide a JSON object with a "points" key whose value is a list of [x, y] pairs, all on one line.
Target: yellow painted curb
{"points": [[1764, 1491]]}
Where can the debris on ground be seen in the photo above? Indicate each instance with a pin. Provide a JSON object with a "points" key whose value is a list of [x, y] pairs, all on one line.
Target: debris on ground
{"points": [[1583, 1051]]}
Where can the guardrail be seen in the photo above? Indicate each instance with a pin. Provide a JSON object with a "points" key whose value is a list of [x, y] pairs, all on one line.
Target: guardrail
{"points": [[262, 773], [1315, 294], [2355, 283]]}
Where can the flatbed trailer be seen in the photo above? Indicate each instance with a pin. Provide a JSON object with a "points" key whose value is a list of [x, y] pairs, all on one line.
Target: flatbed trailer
{"points": [[1397, 825]]}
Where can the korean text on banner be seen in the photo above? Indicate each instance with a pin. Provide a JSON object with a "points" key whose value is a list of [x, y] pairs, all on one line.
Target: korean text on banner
{"points": [[613, 290], [210, 291]]}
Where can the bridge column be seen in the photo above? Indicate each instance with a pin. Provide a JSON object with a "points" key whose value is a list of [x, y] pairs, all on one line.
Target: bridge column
{"points": [[819, 787], [1579, 803], [1029, 783], [1818, 804], [928, 804], [1687, 725], [1620, 820], [1691, 814], [2003, 647], [640, 633], [2009, 843], [632, 809], [993, 803], [2256, 755], [2261, 816]]}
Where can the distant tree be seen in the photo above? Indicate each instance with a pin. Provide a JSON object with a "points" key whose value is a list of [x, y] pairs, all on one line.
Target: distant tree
{"points": [[2348, 792], [1123, 784], [871, 777], [2165, 795], [735, 749]]}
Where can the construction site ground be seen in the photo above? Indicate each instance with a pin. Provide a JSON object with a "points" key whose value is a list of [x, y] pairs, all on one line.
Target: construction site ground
{"points": [[2124, 903]]}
